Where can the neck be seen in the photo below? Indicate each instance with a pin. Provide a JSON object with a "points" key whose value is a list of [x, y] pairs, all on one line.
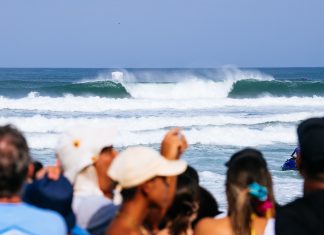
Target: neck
{"points": [[134, 211], [13, 199], [105, 186], [311, 186]]}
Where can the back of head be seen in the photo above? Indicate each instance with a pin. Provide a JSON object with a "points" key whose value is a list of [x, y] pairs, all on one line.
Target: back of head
{"points": [[37, 167], [247, 169], [50, 194], [311, 140], [208, 206], [185, 204], [14, 161]]}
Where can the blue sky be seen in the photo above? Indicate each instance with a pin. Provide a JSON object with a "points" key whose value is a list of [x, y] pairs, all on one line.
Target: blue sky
{"points": [[164, 33]]}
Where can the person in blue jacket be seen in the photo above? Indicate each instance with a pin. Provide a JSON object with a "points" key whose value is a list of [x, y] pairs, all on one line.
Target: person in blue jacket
{"points": [[291, 163]]}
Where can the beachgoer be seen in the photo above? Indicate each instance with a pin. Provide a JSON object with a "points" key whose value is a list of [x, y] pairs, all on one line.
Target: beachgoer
{"points": [[173, 146], [142, 176], [184, 209], [85, 155], [55, 195], [33, 169], [305, 215], [208, 206], [250, 198], [17, 217]]}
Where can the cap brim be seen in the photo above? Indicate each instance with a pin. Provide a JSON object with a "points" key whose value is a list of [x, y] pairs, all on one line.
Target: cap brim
{"points": [[171, 167]]}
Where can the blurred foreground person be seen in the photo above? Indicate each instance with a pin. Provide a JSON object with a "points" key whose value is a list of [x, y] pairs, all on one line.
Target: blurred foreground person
{"points": [[184, 208], [33, 169], [17, 217], [250, 198], [85, 154], [55, 195], [142, 177], [306, 215]]}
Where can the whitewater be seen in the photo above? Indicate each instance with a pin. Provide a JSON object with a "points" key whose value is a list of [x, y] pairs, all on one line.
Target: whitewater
{"points": [[219, 110]]}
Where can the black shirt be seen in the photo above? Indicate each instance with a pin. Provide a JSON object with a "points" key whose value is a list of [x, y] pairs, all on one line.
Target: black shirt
{"points": [[302, 216]]}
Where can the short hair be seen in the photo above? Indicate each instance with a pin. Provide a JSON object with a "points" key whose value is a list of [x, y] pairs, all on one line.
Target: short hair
{"points": [[14, 160], [37, 167], [311, 140]]}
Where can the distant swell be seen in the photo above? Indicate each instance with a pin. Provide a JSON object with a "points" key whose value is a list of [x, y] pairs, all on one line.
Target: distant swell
{"points": [[57, 89], [183, 90], [257, 88], [101, 88]]}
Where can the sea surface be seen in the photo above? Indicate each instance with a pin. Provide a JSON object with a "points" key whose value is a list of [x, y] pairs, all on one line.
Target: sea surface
{"points": [[219, 110]]}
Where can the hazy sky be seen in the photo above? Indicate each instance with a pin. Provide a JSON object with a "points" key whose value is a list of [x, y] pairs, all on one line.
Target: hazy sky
{"points": [[161, 33]]}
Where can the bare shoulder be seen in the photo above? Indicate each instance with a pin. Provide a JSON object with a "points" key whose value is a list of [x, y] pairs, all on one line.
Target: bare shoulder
{"points": [[210, 226]]}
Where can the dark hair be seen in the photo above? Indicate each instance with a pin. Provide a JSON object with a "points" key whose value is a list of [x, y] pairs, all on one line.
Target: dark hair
{"points": [[192, 173], [245, 167], [128, 193], [184, 206], [311, 140], [14, 160], [106, 149], [37, 167], [208, 206]]}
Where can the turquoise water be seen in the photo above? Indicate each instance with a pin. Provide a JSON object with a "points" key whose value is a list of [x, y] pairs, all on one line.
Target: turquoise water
{"points": [[219, 110]]}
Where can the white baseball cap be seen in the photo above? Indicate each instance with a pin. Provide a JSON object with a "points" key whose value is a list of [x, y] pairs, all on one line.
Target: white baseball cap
{"points": [[80, 147], [135, 165]]}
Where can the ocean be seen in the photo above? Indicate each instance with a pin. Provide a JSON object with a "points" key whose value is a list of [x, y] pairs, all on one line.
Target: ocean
{"points": [[219, 110]]}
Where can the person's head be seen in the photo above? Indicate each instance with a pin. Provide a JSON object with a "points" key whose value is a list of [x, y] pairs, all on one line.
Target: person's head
{"points": [[311, 141], [185, 204], [83, 147], [55, 195], [192, 173], [142, 172], [248, 189], [34, 168], [14, 161], [208, 206]]}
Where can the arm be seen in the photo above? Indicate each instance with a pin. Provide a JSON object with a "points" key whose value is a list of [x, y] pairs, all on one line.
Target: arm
{"points": [[172, 147], [174, 144]]}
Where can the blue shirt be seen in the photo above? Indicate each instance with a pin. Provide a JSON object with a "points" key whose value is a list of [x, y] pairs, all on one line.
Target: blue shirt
{"points": [[24, 219]]}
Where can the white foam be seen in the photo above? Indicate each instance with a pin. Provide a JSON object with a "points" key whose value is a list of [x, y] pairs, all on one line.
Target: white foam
{"points": [[179, 84], [287, 188], [214, 182], [41, 124], [242, 136], [120, 76], [231, 136], [97, 104], [190, 89], [194, 87]]}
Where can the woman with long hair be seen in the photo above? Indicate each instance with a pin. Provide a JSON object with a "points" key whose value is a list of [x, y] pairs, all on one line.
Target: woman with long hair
{"points": [[250, 198], [183, 211]]}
